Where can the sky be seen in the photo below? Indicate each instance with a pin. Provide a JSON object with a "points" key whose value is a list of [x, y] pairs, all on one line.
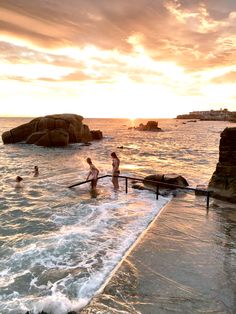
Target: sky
{"points": [[118, 59]]}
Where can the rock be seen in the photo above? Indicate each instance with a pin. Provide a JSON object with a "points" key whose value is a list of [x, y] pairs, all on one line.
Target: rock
{"points": [[18, 134], [150, 126], [223, 180], [138, 186], [52, 130], [174, 179], [201, 189], [52, 138], [7, 137], [96, 134], [34, 137]]}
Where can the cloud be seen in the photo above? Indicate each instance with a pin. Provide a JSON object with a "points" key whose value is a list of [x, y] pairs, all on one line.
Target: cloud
{"points": [[227, 78], [189, 32], [77, 76], [162, 45], [197, 20]]}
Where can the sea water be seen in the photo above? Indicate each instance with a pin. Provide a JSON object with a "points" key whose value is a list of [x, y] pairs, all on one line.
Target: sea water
{"points": [[58, 245]]}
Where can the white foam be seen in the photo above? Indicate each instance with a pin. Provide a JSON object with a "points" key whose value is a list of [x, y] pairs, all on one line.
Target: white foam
{"points": [[92, 236], [58, 304]]}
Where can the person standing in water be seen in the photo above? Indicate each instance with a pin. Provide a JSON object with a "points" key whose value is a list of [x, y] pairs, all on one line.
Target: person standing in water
{"points": [[93, 172], [115, 170], [36, 171]]}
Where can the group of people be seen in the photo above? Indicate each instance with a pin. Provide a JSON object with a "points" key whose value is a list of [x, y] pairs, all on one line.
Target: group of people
{"points": [[20, 179], [93, 172]]}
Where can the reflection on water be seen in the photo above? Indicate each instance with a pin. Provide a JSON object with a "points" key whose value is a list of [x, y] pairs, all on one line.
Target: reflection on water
{"points": [[58, 245]]}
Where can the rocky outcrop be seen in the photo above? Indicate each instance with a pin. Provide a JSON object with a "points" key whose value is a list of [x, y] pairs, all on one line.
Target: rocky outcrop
{"points": [[174, 179], [49, 138], [52, 130], [163, 180], [223, 180], [150, 126], [96, 135]]}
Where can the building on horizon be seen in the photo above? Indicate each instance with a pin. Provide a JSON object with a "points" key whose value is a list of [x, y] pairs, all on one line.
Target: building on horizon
{"points": [[217, 115]]}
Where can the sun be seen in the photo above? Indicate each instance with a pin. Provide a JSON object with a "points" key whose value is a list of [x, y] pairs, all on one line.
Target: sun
{"points": [[132, 117]]}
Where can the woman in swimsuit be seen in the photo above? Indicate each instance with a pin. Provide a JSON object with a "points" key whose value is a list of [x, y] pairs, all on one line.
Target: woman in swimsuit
{"points": [[115, 170], [93, 172]]}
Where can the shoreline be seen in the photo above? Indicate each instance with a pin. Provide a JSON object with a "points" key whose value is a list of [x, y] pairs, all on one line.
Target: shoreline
{"points": [[180, 264], [128, 252]]}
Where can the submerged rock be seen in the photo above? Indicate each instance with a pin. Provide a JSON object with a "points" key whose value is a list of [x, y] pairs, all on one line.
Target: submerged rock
{"points": [[223, 180], [52, 130]]}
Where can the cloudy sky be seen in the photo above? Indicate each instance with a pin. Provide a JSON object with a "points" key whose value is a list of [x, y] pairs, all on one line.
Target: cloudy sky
{"points": [[117, 58]]}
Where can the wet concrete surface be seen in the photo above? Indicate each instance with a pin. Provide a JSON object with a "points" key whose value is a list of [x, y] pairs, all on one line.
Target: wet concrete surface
{"points": [[184, 263]]}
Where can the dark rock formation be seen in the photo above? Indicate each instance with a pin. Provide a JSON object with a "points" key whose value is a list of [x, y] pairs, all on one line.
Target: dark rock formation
{"points": [[174, 179], [52, 130], [96, 135], [49, 138], [150, 126], [171, 179], [223, 180]]}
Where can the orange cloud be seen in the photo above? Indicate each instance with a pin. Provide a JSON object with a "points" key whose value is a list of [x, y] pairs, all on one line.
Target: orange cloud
{"points": [[227, 78], [172, 48], [188, 32]]}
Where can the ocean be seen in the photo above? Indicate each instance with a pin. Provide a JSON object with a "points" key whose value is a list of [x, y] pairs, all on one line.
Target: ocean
{"points": [[58, 245]]}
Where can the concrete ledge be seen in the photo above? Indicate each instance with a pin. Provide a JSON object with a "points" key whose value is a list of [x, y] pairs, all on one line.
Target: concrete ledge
{"points": [[185, 263]]}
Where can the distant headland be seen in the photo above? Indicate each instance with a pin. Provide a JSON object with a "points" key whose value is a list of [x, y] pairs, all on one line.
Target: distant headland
{"points": [[210, 115]]}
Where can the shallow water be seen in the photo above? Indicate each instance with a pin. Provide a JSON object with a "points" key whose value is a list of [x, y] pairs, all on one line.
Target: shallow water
{"points": [[58, 245]]}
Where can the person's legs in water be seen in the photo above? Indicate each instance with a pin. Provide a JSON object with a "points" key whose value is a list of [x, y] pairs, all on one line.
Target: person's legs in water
{"points": [[94, 183], [115, 181]]}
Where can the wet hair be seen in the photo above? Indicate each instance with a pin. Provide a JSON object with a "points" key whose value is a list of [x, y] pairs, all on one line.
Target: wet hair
{"points": [[114, 155], [19, 179], [89, 161]]}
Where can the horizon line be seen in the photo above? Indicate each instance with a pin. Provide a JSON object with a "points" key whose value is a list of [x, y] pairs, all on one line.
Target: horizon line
{"points": [[124, 118]]}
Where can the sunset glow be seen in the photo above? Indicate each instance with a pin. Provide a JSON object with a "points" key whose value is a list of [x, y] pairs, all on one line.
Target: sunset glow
{"points": [[128, 59]]}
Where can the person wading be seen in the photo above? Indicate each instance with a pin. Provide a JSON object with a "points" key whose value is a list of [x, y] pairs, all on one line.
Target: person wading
{"points": [[93, 173], [115, 170]]}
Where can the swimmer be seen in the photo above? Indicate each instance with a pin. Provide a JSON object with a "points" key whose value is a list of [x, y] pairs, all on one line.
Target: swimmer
{"points": [[36, 171], [19, 182]]}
